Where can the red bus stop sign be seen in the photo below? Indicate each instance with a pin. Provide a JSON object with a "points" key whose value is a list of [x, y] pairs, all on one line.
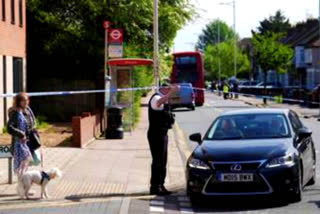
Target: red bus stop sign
{"points": [[116, 36]]}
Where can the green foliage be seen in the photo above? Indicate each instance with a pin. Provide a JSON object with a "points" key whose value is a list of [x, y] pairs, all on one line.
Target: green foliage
{"points": [[210, 33], [173, 14], [4, 130], [226, 52], [276, 24], [270, 53], [73, 29], [165, 65], [41, 122]]}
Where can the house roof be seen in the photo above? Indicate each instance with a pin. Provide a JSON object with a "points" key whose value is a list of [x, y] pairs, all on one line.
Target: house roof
{"points": [[303, 34]]}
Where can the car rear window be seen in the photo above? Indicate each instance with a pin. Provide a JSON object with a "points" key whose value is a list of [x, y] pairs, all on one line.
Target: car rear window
{"points": [[250, 126]]}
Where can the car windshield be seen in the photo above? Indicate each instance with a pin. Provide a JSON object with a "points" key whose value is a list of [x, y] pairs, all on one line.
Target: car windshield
{"points": [[250, 126]]}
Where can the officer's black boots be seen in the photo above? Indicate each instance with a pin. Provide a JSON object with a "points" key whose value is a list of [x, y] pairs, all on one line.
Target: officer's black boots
{"points": [[159, 190]]}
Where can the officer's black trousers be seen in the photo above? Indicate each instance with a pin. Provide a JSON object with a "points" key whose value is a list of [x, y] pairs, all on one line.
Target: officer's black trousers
{"points": [[158, 142]]}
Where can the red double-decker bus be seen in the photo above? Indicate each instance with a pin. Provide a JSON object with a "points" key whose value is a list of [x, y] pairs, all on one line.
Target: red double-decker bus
{"points": [[188, 68]]}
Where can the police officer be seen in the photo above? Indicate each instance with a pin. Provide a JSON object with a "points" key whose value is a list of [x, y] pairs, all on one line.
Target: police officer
{"points": [[225, 89], [160, 121]]}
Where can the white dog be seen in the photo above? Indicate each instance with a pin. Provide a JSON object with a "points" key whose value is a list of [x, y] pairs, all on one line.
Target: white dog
{"points": [[41, 178]]}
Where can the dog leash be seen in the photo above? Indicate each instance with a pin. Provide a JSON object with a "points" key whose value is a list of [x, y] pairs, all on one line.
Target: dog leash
{"points": [[41, 157]]}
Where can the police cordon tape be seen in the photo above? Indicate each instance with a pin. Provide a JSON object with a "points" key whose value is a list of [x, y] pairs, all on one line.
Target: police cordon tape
{"points": [[64, 93], [276, 98]]}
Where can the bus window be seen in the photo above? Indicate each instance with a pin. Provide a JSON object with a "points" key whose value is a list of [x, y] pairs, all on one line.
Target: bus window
{"points": [[186, 69]]}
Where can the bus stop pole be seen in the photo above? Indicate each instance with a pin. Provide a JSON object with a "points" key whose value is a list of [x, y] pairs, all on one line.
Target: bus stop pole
{"points": [[156, 44], [132, 100], [10, 170]]}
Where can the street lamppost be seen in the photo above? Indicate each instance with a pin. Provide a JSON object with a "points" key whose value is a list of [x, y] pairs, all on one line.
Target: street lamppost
{"points": [[219, 61], [233, 4], [156, 44]]}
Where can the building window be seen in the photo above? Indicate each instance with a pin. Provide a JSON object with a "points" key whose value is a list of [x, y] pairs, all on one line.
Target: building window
{"points": [[17, 75], [3, 10], [20, 13], [13, 12]]}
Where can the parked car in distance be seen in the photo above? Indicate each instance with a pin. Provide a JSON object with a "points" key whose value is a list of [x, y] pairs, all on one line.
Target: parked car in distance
{"points": [[273, 88], [185, 97], [269, 85], [314, 96], [246, 84], [252, 152]]}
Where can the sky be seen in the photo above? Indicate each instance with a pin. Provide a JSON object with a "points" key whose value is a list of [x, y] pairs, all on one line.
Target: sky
{"points": [[248, 15]]}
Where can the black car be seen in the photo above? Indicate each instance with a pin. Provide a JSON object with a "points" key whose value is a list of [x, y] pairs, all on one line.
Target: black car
{"points": [[252, 152]]}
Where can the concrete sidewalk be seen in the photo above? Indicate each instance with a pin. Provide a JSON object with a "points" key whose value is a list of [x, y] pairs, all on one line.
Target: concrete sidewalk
{"points": [[303, 111], [100, 178]]}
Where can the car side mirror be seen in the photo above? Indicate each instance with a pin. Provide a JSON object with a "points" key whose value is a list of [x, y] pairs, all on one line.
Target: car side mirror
{"points": [[304, 133], [196, 138]]}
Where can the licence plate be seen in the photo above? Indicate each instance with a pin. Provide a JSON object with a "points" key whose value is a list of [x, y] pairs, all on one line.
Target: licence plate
{"points": [[236, 177]]}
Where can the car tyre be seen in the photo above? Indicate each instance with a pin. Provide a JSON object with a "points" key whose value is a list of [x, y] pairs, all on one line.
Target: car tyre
{"points": [[296, 195], [193, 108], [195, 198], [312, 181]]}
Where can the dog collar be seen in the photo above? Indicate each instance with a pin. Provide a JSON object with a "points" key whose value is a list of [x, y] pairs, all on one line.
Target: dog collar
{"points": [[44, 176]]}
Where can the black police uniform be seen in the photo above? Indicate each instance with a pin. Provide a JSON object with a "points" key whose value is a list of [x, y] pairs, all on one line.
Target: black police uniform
{"points": [[159, 123]]}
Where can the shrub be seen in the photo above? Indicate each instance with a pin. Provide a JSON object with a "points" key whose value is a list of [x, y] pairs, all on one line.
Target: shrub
{"points": [[41, 122]]}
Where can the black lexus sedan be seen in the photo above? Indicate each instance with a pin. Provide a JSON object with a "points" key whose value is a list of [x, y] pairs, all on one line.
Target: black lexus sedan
{"points": [[252, 152]]}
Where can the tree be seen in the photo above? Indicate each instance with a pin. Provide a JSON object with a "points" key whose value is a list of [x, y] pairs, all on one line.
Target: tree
{"points": [[65, 39], [271, 54], [276, 24], [71, 33], [209, 35], [226, 52]]}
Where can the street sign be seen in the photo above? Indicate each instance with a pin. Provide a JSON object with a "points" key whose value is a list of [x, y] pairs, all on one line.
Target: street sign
{"points": [[115, 36], [115, 51], [106, 24], [5, 151]]}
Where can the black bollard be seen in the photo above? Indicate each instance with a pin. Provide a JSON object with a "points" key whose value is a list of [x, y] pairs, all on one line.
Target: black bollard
{"points": [[114, 123]]}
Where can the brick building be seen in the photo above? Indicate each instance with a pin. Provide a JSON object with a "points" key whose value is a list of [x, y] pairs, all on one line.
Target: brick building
{"points": [[12, 52]]}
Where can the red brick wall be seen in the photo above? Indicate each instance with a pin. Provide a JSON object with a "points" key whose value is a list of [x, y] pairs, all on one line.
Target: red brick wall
{"points": [[86, 128], [12, 36]]}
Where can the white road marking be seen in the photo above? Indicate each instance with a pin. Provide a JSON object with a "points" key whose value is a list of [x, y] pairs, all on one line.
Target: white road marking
{"points": [[186, 210], [156, 209], [124, 209], [156, 203]]}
